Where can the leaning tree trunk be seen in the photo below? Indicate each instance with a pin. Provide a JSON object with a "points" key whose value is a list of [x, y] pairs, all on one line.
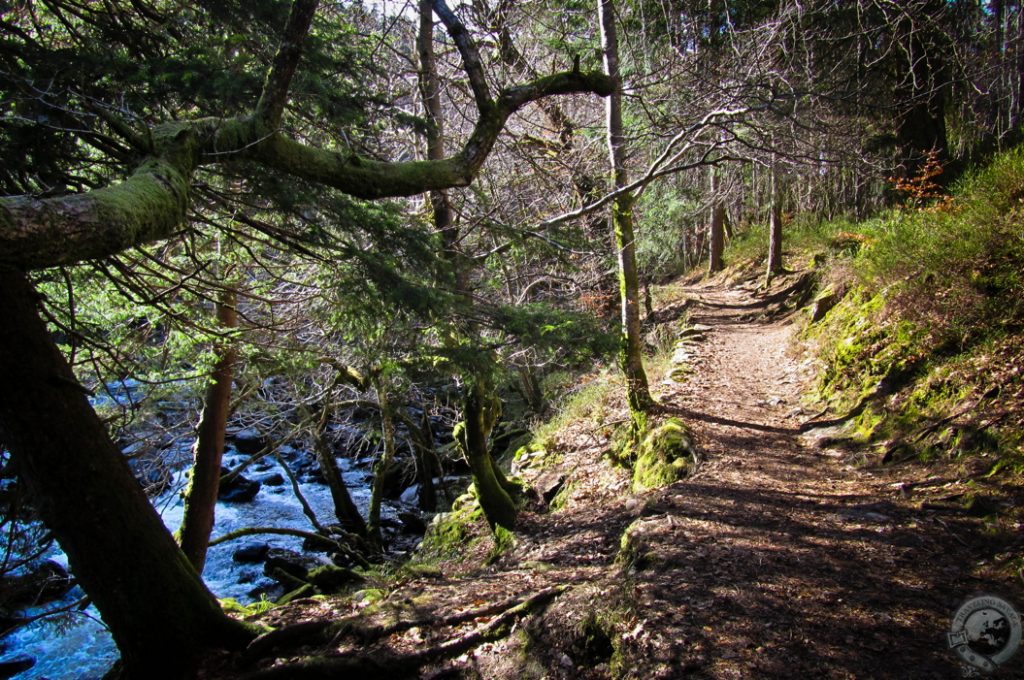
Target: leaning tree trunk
{"points": [[208, 450], [481, 409], [638, 394], [345, 509], [159, 612]]}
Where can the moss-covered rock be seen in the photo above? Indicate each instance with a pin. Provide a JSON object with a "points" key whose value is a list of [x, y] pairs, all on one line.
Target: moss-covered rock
{"points": [[449, 532], [634, 554], [665, 455]]}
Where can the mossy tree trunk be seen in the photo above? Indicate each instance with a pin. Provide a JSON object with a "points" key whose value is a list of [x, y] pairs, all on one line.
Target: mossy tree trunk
{"points": [[481, 410], [158, 610], [426, 466], [481, 406], [208, 450], [631, 344]]}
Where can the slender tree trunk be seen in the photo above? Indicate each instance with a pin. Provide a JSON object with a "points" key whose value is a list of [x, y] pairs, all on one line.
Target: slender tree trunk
{"points": [[208, 450], [631, 348], [160, 613], [345, 509], [426, 466], [1017, 112], [387, 426], [430, 90], [716, 228], [774, 226], [481, 409]]}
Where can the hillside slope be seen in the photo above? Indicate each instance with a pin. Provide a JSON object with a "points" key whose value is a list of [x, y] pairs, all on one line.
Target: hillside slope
{"points": [[778, 557]]}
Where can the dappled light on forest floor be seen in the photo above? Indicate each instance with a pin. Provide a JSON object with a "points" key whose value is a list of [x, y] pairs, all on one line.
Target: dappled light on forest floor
{"points": [[775, 558]]}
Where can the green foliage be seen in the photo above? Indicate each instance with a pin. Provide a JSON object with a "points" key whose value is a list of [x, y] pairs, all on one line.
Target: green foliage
{"points": [[233, 606], [667, 218], [936, 309], [589, 403], [540, 326]]}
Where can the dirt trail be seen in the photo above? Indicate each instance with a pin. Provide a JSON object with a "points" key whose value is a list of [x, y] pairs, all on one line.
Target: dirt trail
{"points": [[777, 559]]}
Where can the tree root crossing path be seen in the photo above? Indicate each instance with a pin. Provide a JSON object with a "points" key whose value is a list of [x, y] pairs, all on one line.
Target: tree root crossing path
{"points": [[779, 558]]}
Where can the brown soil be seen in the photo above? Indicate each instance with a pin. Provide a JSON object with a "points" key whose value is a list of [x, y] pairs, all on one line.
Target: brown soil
{"points": [[777, 558]]}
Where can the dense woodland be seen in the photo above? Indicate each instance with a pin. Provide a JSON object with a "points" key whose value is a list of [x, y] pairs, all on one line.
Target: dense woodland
{"points": [[411, 231]]}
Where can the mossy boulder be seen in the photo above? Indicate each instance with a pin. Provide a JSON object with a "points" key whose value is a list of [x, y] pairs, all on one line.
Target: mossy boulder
{"points": [[665, 455]]}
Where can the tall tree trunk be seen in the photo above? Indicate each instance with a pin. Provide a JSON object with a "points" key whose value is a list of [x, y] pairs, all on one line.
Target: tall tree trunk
{"points": [[631, 345], [1017, 111], [481, 410], [208, 450], [430, 90], [495, 501], [774, 225], [716, 228], [159, 612]]}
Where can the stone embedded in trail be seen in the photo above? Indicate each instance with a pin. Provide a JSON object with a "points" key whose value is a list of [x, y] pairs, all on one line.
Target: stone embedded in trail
{"points": [[548, 485], [666, 454]]}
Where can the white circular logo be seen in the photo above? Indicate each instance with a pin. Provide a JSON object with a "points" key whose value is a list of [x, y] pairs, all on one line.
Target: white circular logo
{"points": [[985, 632]]}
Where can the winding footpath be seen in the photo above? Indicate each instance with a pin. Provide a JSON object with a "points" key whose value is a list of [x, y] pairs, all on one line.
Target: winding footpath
{"points": [[783, 559]]}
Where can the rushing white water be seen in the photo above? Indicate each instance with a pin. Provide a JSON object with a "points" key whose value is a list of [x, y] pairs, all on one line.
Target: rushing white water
{"points": [[79, 648]]}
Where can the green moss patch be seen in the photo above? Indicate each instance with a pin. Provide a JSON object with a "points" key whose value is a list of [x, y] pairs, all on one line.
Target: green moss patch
{"points": [[666, 454]]}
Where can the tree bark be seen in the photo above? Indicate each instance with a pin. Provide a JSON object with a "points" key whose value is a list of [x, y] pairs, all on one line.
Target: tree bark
{"points": [[631, 344], [159, 612], [774, 226], [716, 228], [345, 509], [481, 409], [208, 450], [387, 427], [426, 465]]}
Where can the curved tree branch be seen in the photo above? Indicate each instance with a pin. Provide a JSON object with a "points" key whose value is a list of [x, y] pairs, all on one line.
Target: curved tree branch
{"points": [[152, 203]]}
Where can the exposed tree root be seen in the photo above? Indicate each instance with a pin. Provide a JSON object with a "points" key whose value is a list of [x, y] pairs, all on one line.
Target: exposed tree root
{"points": [[380, 664]]}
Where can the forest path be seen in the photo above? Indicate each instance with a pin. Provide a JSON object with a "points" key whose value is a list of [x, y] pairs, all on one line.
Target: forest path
{"points": [[779, 558]]}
